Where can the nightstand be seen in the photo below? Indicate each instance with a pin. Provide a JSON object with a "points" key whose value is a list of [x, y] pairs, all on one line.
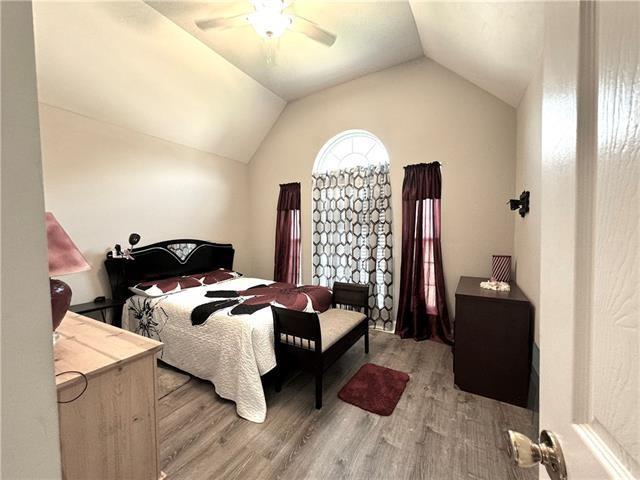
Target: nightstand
{"points": [[107, 304]]}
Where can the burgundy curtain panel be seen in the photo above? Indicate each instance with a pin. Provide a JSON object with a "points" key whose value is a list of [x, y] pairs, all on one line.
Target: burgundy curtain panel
{"points": [[422, 310], [287, 253]]}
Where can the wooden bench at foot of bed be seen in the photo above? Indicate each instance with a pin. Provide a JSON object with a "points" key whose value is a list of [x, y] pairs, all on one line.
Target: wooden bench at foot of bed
{"points": [[314, 341]]}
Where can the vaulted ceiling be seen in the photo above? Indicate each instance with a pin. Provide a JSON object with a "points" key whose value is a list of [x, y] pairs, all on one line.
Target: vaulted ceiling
{"points": [[125, 64], [372, 36], [496, 45], [146, 66]]}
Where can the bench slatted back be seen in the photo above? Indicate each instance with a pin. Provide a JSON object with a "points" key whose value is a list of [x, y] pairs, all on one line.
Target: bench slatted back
{"points": [[351, 294], [303, 325]]}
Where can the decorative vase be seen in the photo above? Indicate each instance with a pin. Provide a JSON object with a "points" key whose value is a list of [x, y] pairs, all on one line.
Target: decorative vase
{"points": [[60, 301]]}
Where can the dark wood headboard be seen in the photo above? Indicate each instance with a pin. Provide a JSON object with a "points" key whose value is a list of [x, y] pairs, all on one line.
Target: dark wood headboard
{"points": [[169, 258]]}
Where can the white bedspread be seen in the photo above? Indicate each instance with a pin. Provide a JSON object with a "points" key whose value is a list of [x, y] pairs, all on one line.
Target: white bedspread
{"points": [[232, 352]]}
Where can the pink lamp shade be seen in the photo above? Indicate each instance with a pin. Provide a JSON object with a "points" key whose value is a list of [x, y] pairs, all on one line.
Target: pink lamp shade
{"points": [[64, 258]]}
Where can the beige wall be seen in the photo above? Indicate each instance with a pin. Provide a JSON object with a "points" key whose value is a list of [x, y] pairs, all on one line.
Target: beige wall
{"points": [[528, 177], [422, 112], [100, 178], [104, 182], [30, 445]]}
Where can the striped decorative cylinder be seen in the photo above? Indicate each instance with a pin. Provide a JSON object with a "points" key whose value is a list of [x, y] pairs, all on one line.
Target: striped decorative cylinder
{"points": [[501, 268]]}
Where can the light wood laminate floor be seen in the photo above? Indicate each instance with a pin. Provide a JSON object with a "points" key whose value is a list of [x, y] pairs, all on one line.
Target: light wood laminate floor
{"points": [[436, 431]]}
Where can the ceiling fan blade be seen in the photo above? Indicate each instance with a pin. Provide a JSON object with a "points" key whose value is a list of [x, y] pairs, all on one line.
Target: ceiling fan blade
{"points": [[222, 23], [312, 30]]}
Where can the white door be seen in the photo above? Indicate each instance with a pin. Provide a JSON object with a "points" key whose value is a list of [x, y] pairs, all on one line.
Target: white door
{"points": [[590, 244]]}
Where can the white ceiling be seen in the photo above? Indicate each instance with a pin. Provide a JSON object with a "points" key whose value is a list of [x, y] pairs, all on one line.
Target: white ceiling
{"points": [[495, 45], [372, 36], [125, 64], [130, 65]]}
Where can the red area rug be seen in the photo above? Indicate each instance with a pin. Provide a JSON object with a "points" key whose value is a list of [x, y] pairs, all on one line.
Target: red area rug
{"points": [[375, 389]]}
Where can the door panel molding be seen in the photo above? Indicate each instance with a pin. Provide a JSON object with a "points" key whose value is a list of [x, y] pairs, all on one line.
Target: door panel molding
{"points": [[603, 453], [586, 164]]}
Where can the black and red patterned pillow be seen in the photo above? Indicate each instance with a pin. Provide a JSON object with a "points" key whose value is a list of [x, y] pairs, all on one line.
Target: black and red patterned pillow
{"points": [[167, 286], [215, 276]]}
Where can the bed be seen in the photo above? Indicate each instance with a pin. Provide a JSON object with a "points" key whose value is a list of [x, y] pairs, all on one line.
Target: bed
{"points": [[213, 321]]}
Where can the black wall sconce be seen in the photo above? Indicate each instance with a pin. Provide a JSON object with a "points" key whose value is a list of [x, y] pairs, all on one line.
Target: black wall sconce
{"points": [[521, 204]]}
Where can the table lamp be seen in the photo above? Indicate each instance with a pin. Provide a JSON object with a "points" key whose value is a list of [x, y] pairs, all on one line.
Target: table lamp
{"points": [[64, 258]]}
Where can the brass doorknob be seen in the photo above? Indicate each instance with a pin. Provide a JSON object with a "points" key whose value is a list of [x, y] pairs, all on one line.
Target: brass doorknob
{"points": [[526, 454]]}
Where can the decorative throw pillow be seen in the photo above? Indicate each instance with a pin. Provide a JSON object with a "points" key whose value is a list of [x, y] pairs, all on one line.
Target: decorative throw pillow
{"points": [[215, 276], [166, 286]]}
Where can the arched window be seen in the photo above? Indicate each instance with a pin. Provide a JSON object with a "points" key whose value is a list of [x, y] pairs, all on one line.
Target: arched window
{"points": [[352, 238], [349, 149]]}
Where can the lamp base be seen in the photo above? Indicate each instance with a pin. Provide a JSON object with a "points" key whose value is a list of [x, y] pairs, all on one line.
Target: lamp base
{"points": [[60, 301]]}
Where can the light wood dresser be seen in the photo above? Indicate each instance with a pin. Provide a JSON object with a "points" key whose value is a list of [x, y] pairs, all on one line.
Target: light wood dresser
{"points": [[110, 431]]}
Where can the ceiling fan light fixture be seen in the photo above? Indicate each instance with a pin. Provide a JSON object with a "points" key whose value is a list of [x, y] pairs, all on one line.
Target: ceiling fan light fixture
{"points": [[270, 24], [270, 21]]}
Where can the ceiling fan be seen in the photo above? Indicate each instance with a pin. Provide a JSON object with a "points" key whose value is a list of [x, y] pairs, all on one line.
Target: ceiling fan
{"points": [[269, 20]]}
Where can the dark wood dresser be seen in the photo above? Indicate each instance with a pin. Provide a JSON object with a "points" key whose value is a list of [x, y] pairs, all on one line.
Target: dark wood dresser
{"points": [[493, 341]]}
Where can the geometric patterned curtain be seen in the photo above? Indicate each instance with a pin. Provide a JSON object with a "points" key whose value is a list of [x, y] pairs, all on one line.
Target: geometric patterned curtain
{"points": [[352, 238]]}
